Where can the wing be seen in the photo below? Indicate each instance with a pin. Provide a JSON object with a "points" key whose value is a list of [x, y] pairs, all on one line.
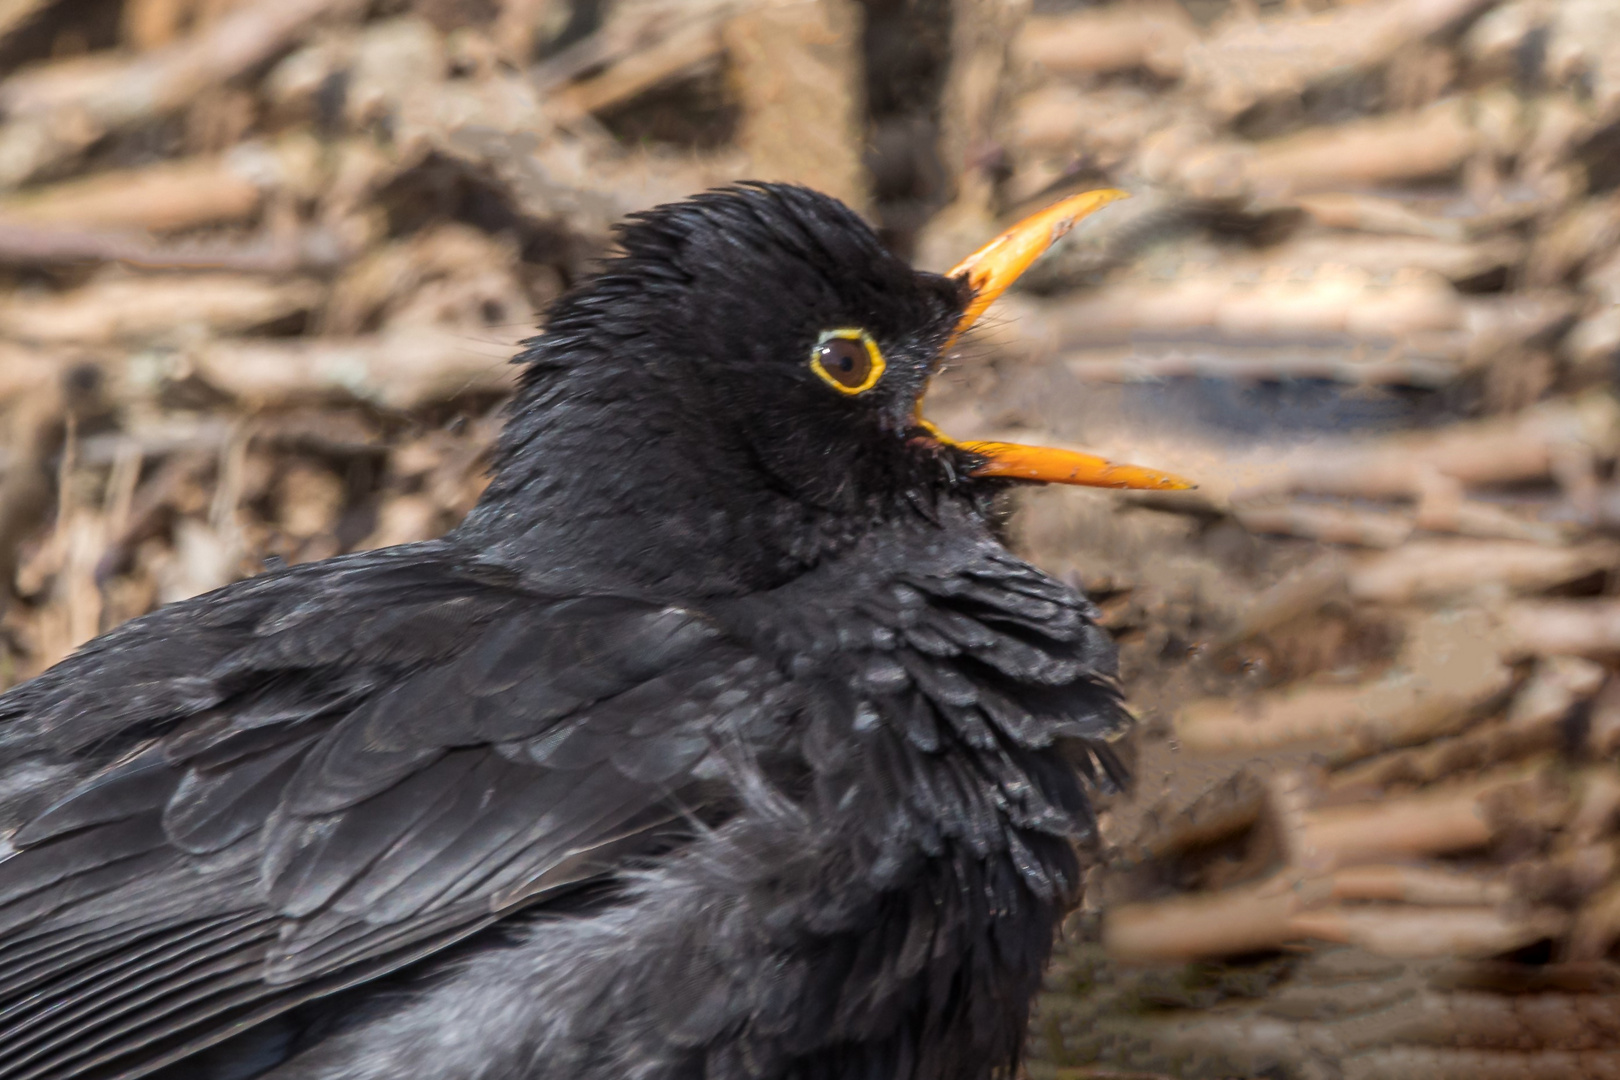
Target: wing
{"points": [[310, 779]]}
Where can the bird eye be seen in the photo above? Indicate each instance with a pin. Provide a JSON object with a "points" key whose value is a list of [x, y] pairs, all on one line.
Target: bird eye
{"points": [[849, 360]]}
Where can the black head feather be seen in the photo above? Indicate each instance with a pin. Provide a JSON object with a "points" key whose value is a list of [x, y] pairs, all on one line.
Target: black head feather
{"points": [[674, 390]]}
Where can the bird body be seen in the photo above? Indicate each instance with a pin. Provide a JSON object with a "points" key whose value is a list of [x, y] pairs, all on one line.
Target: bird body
{"points": [[723, 740]]}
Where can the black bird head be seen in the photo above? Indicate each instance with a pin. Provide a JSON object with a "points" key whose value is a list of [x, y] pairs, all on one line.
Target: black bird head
{"points": [[735, 397]]}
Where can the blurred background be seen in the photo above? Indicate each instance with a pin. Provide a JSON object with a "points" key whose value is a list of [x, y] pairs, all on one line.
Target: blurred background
{"points": [[262, 263]]}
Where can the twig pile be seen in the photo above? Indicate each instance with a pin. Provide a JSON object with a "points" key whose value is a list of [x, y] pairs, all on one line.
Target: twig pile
{"points": [[1378, 669], [262, 264]]}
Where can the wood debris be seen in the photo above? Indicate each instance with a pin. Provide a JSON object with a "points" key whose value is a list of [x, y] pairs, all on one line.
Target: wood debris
{"points": [[1375, 653]]}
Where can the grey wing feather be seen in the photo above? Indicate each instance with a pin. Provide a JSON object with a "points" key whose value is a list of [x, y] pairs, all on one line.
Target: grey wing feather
{"points": [[382, 755]]}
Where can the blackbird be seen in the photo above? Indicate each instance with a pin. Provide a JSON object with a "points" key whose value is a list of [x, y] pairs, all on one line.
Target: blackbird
{"points": [[722, 740]]}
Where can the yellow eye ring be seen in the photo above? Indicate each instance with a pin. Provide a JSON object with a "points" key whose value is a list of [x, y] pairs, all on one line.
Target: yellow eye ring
{"points": [[848, 360]]}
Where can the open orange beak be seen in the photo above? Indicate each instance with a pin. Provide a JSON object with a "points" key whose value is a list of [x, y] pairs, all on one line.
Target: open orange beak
{"points": [[988, 272]]}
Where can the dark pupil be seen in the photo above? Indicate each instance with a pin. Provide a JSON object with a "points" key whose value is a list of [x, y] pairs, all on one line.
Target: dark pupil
{"points": [[846, 361]]}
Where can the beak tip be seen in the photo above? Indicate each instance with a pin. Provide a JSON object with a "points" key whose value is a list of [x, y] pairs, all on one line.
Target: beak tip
{"points": [[990, 270], [1049, 465]]}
